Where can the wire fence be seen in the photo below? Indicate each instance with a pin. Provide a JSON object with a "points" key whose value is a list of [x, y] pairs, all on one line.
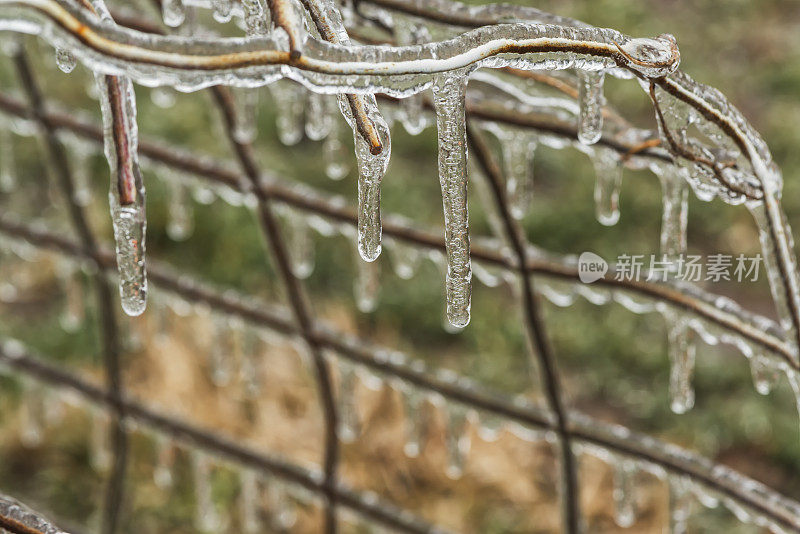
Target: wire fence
{"points": [[568, 429]]}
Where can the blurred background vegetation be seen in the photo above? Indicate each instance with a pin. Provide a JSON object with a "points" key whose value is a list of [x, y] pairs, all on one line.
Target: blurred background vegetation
{"points": [[614, 363]]}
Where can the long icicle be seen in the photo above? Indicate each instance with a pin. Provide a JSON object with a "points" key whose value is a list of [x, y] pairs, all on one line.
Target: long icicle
{"points": [[449, 93], [590, 102], [126, 194], [681, 347], [370, 132], [371, 168]]}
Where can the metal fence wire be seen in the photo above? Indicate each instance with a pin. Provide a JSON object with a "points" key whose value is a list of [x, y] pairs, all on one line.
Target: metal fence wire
{"points": [[540, 80]]}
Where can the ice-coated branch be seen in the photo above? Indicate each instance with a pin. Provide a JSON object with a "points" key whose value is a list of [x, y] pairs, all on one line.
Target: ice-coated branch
{"points": [[192, 64], [16, 518]]}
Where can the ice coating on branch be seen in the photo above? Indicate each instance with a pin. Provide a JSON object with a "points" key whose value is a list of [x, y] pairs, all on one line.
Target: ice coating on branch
{"points": [[681, 356], [518, 153], [180, 223], [8, 178], [591, 102], [371, 169], [776, 240], [608, 180], [26, 519], [624, 492], [65, 60], [126, 191], [449, 91], [173, 12], [256, 17], [652, 57]]}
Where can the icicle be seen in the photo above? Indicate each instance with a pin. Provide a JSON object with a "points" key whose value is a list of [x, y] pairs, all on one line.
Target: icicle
{"points": [[181, 220], [591, 101], [367, 285], [607, 183], [245, 129], [416, 422], [783, 295], [518, 152], [251, 368], [248, 502], [100, 453], [412, 114], [349, 424], [222, 10], [300, 243], [65, 60], [681, 357], [73, 311], [173, 12], [679, 506], [337, 164], [765, 373], [405, 259], [371, 168], [448, 93], [206, 517], [318, 117], [8, 178], [458, 440], [126, 195], [225, 349], [165, 459], [289, 100], [283, 512], [675, 214], [624, 492], [32, 416]]}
